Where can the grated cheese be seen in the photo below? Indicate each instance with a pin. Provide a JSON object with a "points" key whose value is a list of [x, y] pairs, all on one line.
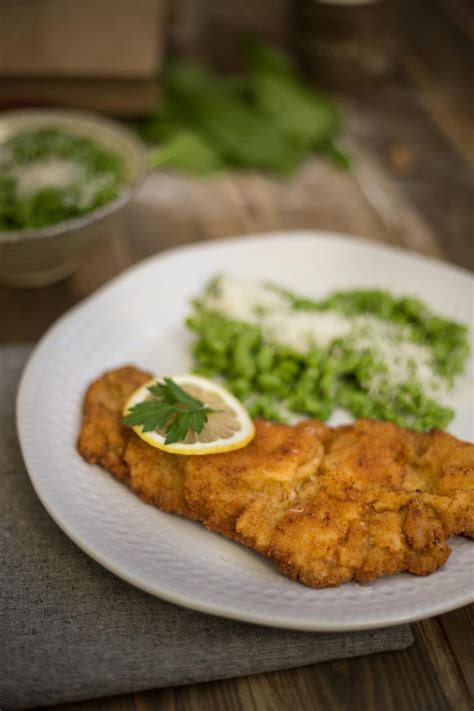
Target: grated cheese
{"points": [[49, 173], [280, 322], [59, 173]]}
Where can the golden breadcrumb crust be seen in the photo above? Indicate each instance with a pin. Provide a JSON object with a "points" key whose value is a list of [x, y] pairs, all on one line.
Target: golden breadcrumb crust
{"points": [[327, 505]]}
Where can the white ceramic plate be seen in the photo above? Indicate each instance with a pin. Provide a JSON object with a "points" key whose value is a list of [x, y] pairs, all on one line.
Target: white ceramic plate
{"points": [[138, 318]]}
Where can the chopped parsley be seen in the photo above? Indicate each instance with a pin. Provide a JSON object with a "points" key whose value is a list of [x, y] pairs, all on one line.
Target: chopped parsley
{"points": [[50, 175], [171, 409]]}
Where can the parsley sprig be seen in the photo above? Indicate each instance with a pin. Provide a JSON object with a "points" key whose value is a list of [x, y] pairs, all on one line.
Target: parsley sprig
{"points": [[170, 408]]}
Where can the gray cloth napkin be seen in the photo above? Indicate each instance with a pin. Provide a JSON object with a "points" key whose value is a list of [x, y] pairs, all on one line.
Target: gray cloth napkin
{"points": [[70, 630]]}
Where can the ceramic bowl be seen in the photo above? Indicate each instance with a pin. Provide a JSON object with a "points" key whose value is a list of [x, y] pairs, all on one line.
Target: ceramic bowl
{"points": [[41, 256]]}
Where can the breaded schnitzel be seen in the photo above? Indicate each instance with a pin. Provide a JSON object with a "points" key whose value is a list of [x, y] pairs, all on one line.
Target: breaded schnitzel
{"points": [[327, 505]]}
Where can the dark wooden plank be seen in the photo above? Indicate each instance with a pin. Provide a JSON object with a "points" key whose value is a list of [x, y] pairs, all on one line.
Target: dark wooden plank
{"points": [[27, 313], [441, 42], [124, 702], [210, 31], [444, 663], [458, 627], [420, 160], [455, 124], [424, 677], [462, 13]]}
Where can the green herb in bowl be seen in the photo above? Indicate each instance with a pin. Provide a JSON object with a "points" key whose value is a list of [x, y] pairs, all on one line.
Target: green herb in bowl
{"points": [[49, 175], [65, 177]]}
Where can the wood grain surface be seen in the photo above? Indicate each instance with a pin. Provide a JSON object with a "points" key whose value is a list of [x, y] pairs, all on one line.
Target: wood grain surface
{"points": [[411, 186]]}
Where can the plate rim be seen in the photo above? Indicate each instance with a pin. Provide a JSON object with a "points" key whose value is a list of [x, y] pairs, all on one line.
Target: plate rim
{"points": [[263, 619]]}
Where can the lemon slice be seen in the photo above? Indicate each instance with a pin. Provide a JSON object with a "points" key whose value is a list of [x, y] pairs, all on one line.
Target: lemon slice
{"points": [[228, 428]]}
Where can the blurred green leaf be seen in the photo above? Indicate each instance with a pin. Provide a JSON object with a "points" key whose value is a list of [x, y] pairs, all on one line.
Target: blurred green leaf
{"points": [[186, 151], [304, 115], [268, 120], [228, 122], [247, 139]]}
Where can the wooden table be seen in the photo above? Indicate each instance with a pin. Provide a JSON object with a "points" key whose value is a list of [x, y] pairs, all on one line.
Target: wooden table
{"points": [[411, 186]]}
